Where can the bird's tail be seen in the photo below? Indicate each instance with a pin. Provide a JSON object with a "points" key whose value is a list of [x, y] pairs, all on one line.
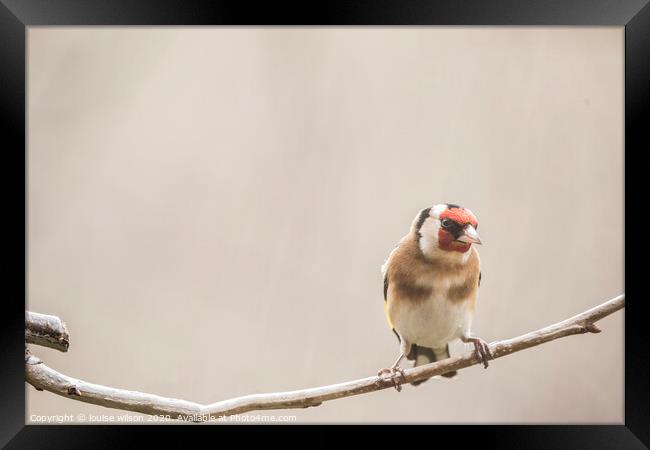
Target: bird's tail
{"points": [[426, 355]]}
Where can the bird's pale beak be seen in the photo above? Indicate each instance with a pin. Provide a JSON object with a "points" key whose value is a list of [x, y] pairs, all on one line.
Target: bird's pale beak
{"points": [[470, 235]]}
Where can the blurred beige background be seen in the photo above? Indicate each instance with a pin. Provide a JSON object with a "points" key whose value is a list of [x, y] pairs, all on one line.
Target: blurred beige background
{"points": [[209, 209]]}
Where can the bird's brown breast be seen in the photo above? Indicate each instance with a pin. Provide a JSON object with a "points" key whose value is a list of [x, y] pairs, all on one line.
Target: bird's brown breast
{"points": [[408, 267]]}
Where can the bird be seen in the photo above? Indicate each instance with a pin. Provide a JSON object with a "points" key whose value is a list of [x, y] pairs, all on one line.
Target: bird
{"points": [[431, 282]]}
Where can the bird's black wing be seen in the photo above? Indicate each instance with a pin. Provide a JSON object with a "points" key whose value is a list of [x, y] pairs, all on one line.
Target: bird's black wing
{"points": [[386, 287], [385, 304]]}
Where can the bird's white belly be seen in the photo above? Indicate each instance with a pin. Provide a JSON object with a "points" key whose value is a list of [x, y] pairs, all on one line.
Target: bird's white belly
{"points": [[433, 322]]}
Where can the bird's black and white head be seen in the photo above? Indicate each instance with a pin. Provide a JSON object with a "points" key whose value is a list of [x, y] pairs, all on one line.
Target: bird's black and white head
{"points": [[445, 230]]}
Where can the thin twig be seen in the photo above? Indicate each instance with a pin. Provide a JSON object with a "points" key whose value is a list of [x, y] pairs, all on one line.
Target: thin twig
{"points": [[45, 330], [43, 377]]}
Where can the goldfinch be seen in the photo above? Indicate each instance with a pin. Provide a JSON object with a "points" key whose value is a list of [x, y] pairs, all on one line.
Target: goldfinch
{"points": [[431, 282]]}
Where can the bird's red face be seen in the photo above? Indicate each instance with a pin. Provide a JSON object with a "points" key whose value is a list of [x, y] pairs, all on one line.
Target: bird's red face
{"points": [[457, 230], [444, 230]]}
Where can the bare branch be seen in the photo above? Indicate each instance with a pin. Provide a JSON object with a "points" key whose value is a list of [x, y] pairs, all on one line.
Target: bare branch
{"points": [[45, 330], [43, 377]]}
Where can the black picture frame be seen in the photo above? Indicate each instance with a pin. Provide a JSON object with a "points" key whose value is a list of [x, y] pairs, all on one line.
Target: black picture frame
{"points": [[634, 15]]}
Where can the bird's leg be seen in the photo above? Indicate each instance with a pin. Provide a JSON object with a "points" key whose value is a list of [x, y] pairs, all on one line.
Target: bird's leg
{"points": [[480, 346], [396, 363], [392, 369], [393, 372]]}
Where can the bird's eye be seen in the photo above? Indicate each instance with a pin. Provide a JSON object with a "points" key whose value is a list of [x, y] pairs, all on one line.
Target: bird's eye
{"points": [[446, 223]]}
